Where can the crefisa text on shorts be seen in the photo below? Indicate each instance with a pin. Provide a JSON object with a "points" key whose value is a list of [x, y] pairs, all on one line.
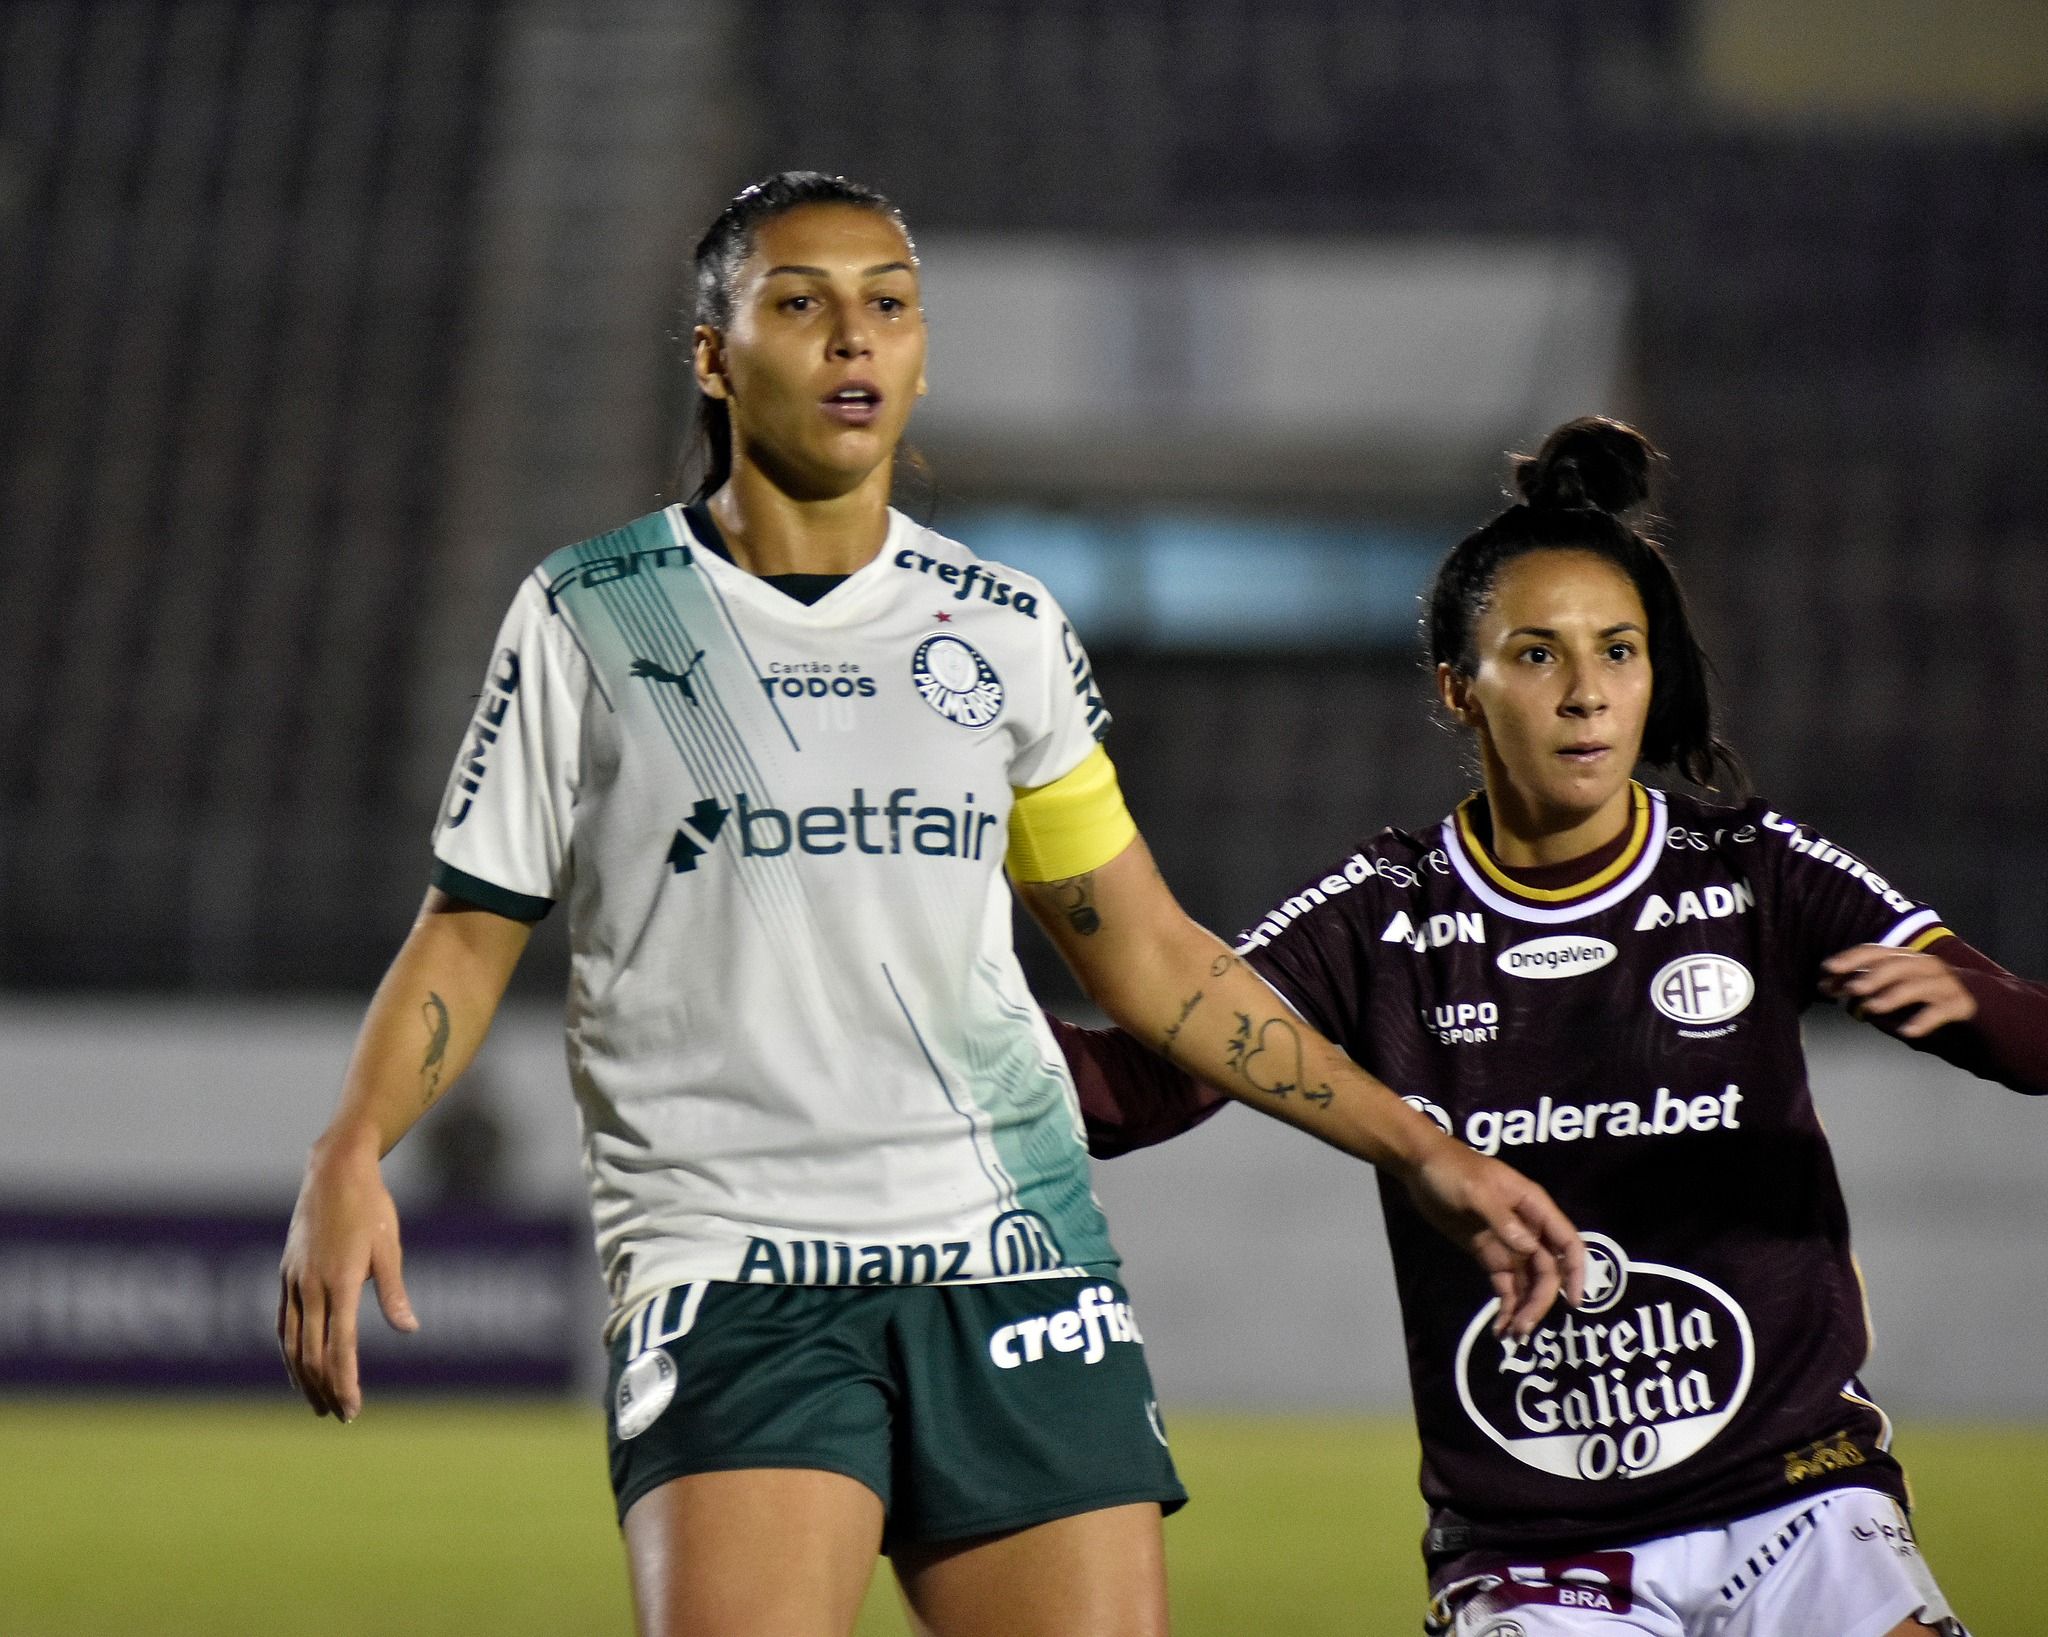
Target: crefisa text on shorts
{"points": [[1096, 1319]]}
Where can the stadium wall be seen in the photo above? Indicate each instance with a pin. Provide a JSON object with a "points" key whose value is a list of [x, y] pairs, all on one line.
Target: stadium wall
{"points": [[1254, 1255]]}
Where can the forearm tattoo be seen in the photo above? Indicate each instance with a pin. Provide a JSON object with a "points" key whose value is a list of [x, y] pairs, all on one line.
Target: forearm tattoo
{"points": [[1075, 899], [432, 1066], [1270, 1057], [1187, 1008]]}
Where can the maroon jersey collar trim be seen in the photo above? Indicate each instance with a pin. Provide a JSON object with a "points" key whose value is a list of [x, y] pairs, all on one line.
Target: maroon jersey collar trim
{"points": [[1637, 873]]}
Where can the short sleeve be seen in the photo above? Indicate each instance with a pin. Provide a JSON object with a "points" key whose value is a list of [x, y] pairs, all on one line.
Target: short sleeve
{"points": [[1310, 950], [1829, 900], [1070, 718], [502, 840]]}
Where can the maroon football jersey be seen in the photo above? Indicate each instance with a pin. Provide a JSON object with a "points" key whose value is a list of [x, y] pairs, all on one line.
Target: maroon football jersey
{"points": [[1631, 1043]]}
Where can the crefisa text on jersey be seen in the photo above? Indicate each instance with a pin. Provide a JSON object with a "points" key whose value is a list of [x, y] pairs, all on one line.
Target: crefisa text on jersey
{"points": [[971, 578]]}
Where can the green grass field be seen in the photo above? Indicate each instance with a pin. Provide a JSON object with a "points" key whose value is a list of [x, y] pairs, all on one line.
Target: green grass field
{"points": [[183, 1519]]}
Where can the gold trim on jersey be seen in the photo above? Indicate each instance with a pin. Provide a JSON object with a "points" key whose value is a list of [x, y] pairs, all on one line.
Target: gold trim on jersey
{"points": [[1639, 802], [1933, 934]]}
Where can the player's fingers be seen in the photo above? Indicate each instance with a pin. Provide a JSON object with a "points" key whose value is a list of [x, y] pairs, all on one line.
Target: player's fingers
{"points": [[339, 1356], [1842, 963], [387, 1267], [1938, 1013], [1562, 1240], [1540, 1293], [312, 1345], [288, 1328], [1507, 1292], [1554, 1234], [1499, 1203]]}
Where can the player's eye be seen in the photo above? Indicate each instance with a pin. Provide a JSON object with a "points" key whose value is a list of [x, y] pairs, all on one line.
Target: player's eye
{"points": [[1537, 654], [892, 305], [798, 304], [1621, 652]]}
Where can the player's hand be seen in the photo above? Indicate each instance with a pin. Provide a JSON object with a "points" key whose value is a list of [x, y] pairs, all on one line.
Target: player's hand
{"points": [[1529, 1248], [1875, 981], [344, 1230]]}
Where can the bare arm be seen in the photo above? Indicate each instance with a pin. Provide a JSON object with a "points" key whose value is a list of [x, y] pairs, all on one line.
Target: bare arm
{"points": [[424, 1025], [1179, 989]]}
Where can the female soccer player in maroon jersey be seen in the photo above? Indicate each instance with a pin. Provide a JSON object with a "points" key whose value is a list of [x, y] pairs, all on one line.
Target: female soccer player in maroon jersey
{"points": [[1603, 981]]}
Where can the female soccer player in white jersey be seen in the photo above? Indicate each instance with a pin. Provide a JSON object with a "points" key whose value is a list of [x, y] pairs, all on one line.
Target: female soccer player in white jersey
{"points": [[774, 750], [1604, 981]]}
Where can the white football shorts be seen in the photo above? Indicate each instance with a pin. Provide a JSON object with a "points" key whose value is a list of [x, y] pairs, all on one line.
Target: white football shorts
{"points": [[1842, 1564]]}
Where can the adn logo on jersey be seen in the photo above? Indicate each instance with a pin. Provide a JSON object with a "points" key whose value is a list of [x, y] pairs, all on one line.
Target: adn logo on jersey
{"points": [[1708, 904], [1559, 956], [1702, 989], [951, 676], [1435, 931], [1640, 1378], [490, 717], [1095, 1320]]}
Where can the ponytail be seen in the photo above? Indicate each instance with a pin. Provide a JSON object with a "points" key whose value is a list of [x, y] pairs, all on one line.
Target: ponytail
{"points": [[1586, 490], [720, 254]]}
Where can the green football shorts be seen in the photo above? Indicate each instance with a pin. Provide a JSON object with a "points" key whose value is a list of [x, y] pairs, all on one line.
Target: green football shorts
{"points": [[969, 1409]]}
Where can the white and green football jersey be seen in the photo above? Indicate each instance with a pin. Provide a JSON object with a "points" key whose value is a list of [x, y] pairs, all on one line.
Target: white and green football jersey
{"points": [[801, 1043]]}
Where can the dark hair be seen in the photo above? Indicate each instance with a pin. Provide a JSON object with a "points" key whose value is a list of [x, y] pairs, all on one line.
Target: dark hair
{"points": [[1587, 489], [720, 254]]}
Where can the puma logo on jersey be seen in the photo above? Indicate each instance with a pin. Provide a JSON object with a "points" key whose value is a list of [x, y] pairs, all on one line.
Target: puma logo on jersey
{"points": [[1708, 904], [1463, 927], [656, 673]]}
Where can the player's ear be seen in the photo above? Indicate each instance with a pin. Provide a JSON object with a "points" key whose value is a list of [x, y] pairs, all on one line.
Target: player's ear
{"points": [[707, 361], [1455, 690]]}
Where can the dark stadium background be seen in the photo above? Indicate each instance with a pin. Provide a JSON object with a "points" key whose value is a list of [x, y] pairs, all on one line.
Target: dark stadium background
{"points": [[321, 322]]}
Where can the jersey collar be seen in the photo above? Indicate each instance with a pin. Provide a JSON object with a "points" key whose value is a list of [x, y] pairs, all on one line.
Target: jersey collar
{"points": [[1602, 890], [844, 603]]}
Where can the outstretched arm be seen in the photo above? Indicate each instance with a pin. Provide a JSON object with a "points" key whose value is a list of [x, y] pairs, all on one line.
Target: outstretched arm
{"points": [[1951, 1000], [1179, 989], [1130, 1097], [428, 1017]]}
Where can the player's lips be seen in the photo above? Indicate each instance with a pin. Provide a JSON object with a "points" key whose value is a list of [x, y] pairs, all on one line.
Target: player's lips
{"points": [[853, 403], [1583, 755]]}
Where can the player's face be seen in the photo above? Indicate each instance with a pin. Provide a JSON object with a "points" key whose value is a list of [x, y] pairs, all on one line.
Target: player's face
{"points": [[1561, 691], [824, 357]]}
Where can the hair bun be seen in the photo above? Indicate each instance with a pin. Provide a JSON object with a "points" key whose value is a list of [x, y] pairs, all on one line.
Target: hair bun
{"points": [[1589, 464]]}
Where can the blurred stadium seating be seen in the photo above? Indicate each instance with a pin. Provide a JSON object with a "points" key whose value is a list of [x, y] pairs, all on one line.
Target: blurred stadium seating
{"points": [[317, 322]]}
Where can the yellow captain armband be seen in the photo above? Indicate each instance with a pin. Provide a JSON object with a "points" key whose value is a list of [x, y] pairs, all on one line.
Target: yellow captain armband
{"points": [[1071, 826]]}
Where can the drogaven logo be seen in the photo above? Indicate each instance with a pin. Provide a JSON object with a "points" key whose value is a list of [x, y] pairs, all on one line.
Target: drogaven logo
{"points": [[1702, 989], [1640, 1378], [1559, 956], [951, 676]]}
